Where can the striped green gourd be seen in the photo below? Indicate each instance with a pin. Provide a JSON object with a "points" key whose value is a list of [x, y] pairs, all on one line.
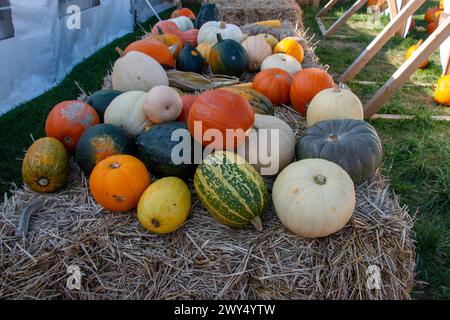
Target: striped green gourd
{"points": [[231, 189]]}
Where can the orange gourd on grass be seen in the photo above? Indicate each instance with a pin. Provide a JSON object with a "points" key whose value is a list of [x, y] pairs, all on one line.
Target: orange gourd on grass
{"points": [[411, 51], [291, 47], [169, 39], [306, 84], [154, 49], [442, 91], [118, 182], [275, 84]]}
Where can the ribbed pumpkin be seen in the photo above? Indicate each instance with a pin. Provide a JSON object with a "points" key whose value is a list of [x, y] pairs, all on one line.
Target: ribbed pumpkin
{"points": [[205, 49], [259, 103], [188, 101], [68, 120], [190, 36], [352, 144], [164, 206], [101, 99], [183, 23], [337, 103], [221, 110], [182, 12], [275, 84], [209, 31], [228, 57], [291, 47], [100, 142], [45, 167], [169, 39], [282, 61], [442, 91], [306, 84], [191, 60], [154, 49], [270, 39], [231, 190], [411, 51], [118, 182], [257, 49], [167, 27]]}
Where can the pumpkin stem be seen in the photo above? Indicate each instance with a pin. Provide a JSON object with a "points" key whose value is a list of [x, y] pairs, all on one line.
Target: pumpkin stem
{"points": [[320, 180], [43, 182], [339, 87], [120, 52], [173, 49], [156, 223], [222, 25], [219, 37], [333, 137], [114, 165], [160, 31], [256, 221]]}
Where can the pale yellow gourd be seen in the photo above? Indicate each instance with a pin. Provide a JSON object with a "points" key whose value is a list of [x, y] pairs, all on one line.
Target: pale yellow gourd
{"points": [[270, 39], [257, 49], [282, 61]]}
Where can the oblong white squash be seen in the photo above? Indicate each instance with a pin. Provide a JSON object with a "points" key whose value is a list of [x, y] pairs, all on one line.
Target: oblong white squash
{"points": [[282, 61], [127, 112], [314, 197], [257, 49], [208, 32], [162, 104], [137, 71]]}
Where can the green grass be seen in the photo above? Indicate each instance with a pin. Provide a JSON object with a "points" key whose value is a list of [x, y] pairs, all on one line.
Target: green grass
{"points": [[416, 152]]}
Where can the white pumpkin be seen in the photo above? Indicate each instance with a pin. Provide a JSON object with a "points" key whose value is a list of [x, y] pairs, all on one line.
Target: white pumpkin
{"points": [[183, 23], [314, 197], [162, 104], [137, 71], [257, 49], [127, 112], [208, 32], [334, 104], [282, 61], [269, 162]]}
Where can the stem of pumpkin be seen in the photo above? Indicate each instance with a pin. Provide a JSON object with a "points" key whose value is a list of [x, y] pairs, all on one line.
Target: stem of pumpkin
{"points": [[115, 165], [120, 52], [160, 31], [222, 25], [339, 87], [219, 37], [320, 180], [156, 223], [43, 182]]}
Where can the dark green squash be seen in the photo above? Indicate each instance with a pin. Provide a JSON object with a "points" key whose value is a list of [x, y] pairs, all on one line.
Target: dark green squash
{"points": [[98, 143], [228, 57], [154, 148], [208, 12], [190, 60], [259, 102], [352, 144], [101, 99]]}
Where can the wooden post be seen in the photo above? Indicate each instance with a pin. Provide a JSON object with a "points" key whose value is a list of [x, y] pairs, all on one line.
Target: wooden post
{"points": [[407, 69], [327, 8], [446, 68], [375, 46], [347, 15]]}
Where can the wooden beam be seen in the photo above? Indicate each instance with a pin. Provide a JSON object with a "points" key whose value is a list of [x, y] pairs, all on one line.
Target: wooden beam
{"points": [[407, 69], [327, 8], [375, 46], [446, 68], [347, 15], [321, 26], [406, 117]]}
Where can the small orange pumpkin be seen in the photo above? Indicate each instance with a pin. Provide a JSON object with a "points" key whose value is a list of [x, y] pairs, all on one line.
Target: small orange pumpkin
{"points": [[167, 27], [442, 91], [188, 101], [180, 11], [275, 84], [68, 120], [291, 47], [306, 84], [411, 51], [430, 14], [431, 27], [118, 182], [169, 39], [155, 49]]}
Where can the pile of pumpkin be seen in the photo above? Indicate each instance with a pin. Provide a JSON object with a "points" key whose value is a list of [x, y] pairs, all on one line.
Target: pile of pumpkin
{"points": [[119, 136]]}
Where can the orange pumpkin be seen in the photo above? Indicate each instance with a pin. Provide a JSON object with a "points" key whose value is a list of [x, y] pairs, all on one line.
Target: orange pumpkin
{"points": [[411, 51], [169, 39], [442, 91], [188, 101], [275, 84], [190, 36], [167, 27], [306, 84], [291, 47], [118, 182], [431, 27], [68, 120], [430, 14], [221, 110], [186, 12], [154, 49]]}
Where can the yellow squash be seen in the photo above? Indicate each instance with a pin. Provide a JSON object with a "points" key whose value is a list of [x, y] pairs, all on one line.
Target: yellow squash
{"points": [[269, 23]]}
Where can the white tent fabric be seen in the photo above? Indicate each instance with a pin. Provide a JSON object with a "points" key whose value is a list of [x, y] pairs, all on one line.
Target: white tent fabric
{"points": [[43, 49]]}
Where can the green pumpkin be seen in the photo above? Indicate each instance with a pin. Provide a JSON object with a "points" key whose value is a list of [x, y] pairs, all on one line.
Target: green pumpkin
{"points": [[100, 142], [154, 148], [259, 102], [190, 60], [228, 57], [352, 144], [101, 99]]}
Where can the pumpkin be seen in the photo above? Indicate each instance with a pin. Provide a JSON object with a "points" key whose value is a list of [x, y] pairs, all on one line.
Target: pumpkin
{"points": [[101, 99], [431, 27], [205, 49], [411, 51], [127, 112], [209, 31], [162, 104], [257, 49], [154, 49], [221, 110], [275, 140], [352, 144], [190, 60], [313, 198], [155, 147], [68, 120], [167, 26], [188, 101], [259, 103], [173, 42], [282, 61], [306, 84], [330, 104], [442, 91], [190, 37], [275, 84], [430, 14], [183, 23], [100, 142], [208, 12], [164, 205], [231, 189], [228, 57], [270, 39], [45, 167], [118, 182], [137, 72], [290, 46], [182, 12]]}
